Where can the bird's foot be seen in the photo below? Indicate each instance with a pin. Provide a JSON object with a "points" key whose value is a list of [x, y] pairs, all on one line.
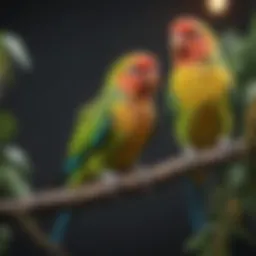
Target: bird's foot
{"points": [[225, 143], [190, 152], [110, 177]]}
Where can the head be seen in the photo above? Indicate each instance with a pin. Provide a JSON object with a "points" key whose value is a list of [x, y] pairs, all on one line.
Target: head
{"points": [[190, 40], [137, 74]]}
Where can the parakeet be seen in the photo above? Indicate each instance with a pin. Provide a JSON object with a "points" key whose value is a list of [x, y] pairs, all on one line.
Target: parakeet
{"points": [[200, 86], [13, 53], [110, 132]]}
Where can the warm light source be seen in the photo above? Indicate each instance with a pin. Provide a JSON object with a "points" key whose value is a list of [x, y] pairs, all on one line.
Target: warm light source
{"points": [[217, 7]]}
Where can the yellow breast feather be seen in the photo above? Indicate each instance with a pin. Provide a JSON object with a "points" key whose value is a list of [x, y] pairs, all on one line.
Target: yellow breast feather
{"points": [[137, 121], [199, 83]]}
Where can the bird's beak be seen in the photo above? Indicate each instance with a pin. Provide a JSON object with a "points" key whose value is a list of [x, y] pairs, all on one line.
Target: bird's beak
{"points": [[176, 42], [17, 49], [152, 80]]}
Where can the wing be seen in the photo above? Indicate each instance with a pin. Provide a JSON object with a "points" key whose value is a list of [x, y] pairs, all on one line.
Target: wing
{"points": [[180, 117], [171, 100], [175, 114], [92, 129]]}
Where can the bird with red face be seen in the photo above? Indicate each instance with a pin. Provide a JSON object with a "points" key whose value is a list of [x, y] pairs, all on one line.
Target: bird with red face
{"points": [[199, 99], [111, 131]]}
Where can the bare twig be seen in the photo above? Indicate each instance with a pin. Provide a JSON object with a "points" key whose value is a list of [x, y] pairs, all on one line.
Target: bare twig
{"points": [[59, 198], [39, 238]]}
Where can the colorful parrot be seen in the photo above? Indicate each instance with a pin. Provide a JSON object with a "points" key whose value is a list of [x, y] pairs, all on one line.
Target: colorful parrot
{"points": [[199, 98], [111, 131], [13, 53]]}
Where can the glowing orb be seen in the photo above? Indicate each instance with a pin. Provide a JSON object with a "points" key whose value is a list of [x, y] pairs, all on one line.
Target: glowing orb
{"points": [[217, 7]]}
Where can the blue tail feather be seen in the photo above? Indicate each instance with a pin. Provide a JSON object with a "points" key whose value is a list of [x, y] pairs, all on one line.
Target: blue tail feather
{"points": [[60, 227], [197, 213]]}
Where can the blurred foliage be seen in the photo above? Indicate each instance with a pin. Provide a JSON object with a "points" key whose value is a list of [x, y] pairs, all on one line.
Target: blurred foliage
{"points": [[15, 170], [14, 182], [240, 53], [8, 127], [239, 50], [15, 165], [234, 198]]}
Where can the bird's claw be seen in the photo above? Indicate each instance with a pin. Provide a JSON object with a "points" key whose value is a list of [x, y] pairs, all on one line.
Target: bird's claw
{"points": [[110, 177], [225, 143], [190, 152]]}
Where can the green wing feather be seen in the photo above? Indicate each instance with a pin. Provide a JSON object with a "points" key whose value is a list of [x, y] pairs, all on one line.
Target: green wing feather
{"points": [[172, 103], [91, 137], [176, 115]]}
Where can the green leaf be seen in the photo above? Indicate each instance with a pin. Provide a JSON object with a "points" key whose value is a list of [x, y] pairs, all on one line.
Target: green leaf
{"points": [[219, 200], [232, 46], [13, 184], [250, 91], [249, 204], [236, 177], [8, 126], [197, 242], [244, 234], [252, 30], [18, 158], [5, 237], [17, 49]]}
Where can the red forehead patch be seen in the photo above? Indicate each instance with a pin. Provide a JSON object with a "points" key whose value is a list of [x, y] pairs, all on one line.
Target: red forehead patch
{"points": [[144, 62], [183, 24]]}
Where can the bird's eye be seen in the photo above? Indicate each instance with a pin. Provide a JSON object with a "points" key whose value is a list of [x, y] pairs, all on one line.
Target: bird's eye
{"points": [[151, 70], [192, 34], [133, 71]]}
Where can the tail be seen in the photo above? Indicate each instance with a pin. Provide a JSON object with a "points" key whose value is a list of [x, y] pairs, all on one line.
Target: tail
{"points": [[60, 227], [197, 213]]}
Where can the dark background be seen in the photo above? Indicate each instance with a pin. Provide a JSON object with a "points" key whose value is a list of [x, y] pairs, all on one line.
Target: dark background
{"points": [[72, 42]]}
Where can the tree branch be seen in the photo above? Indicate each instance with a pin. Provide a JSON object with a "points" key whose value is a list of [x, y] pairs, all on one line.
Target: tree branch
{"points": [[135, 180], [38, 237]]}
